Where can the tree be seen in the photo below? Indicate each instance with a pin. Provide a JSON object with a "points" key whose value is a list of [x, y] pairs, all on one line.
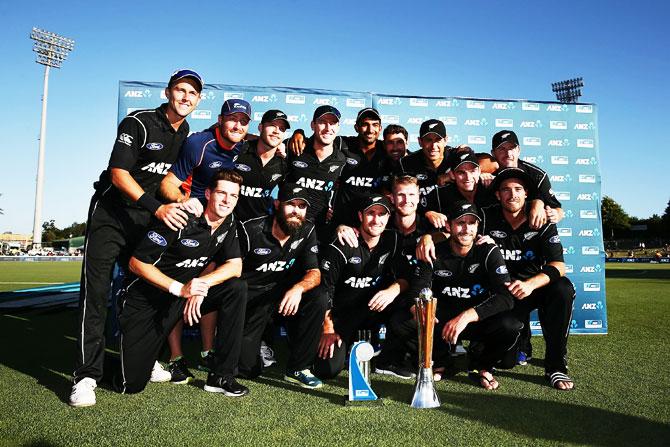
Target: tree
{"points": [[666, 221], [614, 217], [50, 232]]}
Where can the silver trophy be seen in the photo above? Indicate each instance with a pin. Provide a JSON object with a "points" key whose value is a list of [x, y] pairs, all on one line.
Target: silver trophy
{"points": [[424, 392]]}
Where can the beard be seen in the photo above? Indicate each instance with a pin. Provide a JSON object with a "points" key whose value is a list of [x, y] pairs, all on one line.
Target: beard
{"points": [[289, 228]]}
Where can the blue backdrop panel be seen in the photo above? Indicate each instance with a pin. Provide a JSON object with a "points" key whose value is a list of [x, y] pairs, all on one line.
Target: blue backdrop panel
{"points": [[560, 138]]}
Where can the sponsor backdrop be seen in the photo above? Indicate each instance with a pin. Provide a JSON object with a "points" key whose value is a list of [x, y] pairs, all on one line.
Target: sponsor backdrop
{"points": [[560, 138]]}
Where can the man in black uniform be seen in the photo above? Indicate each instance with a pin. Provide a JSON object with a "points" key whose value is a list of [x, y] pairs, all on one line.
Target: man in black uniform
{"points": [[362, 284], [281, 271], [186, 273], [367, 163], [261, 168], [543, 205], [431, 162], [535, 261], [319, 167], [465, 185], [147, 143], [469, 281]]}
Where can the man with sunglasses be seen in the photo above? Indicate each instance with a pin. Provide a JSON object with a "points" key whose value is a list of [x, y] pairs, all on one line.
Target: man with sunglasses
{"points": [[203, 155], [147, 144]]}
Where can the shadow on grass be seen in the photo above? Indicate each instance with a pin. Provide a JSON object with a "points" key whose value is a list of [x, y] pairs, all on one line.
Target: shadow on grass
{"points": [[41, 344], [556, 421], [638, 273]]}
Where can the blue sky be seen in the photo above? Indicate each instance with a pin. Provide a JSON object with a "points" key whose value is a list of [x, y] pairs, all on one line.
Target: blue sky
{"points": [[443, 48]]}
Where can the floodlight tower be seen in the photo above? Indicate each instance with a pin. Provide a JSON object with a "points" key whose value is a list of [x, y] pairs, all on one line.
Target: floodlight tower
{"points": [[568, 91], [51, 50]]}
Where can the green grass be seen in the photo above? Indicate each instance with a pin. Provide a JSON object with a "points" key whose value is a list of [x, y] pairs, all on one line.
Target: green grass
{"points": [[25, 275], [621, 397]]}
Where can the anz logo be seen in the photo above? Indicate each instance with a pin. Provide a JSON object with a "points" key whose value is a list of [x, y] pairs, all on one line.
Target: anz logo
{"points": [[456, 292], [192, 263], [359, 283], [311, 183], [157, 168], [275, 266]]}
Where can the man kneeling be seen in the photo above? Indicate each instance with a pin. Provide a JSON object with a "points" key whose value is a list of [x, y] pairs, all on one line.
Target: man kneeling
{"points": [[184, 274], [469, 282]]}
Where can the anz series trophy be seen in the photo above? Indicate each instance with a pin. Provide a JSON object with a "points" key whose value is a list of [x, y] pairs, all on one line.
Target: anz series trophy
{"points": [[424, 393]]}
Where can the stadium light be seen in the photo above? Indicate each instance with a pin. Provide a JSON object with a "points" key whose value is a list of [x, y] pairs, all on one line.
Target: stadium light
{"points": [[52, 50], [568, 91]]}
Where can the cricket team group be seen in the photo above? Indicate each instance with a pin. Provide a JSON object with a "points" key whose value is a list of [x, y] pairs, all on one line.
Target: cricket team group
{"points": [[358, 228]]}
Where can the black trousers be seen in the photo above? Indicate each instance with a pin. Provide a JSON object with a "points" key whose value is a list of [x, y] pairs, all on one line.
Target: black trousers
{"points": [[148, 315], [303, 328], [112, 231], [554, 307], [347, 322], [494, 338]]}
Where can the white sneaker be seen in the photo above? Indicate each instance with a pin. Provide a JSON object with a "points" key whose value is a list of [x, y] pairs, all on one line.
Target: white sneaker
{"points": [[267, 355], [159, 374], [83, 393]]}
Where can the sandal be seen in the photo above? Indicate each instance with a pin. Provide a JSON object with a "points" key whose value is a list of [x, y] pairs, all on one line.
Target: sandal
{"points": [[486, 383], [557, 377]]}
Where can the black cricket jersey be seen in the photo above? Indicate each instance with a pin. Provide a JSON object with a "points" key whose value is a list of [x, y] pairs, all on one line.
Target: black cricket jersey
{"points": [[265, 262], [442, 197], [415, 164], [258, 182], [525, 250], [360, 176], [184, 254], [146, 146], [353, 275], [542, 183], [409, 241], [475, 280], [318, 177]]}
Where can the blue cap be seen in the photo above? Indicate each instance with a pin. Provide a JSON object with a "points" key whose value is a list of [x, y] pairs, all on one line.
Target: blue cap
{"points": [[231, 106], [186, 73], [325, 110]]}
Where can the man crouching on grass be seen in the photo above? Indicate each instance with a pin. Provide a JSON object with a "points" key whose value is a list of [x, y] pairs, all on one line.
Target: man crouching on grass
{"points": [[184, 274]]}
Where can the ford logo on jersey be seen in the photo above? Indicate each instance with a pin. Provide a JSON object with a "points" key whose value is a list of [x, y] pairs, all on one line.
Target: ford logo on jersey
{"points": [[443, 273], [498, 234], [156, 238], [262, 251], [421, 177], [299, 164], [502, 270], [352, 161], [355, 260], [242, 167], [154, 146], [215, 164], [189, 243]]}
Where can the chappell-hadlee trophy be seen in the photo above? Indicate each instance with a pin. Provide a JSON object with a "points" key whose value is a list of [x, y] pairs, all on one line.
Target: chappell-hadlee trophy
{"points": [[425, 395]]}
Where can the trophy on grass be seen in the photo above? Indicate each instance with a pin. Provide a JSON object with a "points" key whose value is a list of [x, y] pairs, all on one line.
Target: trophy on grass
{"points": [[424, 393], [360, 391]]}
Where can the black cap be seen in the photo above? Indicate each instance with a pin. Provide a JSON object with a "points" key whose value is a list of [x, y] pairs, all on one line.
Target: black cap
{"points": [[458, 158], [516, 173], [325, 110], [462, 208], [433, 126], [375, 199], [368, 112], [504, 136], [292, 191], [186, 73], [274, 114]]}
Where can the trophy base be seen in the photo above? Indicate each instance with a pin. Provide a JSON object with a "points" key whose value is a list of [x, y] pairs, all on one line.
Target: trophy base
{"points": [[425, 395], [363, 403]]}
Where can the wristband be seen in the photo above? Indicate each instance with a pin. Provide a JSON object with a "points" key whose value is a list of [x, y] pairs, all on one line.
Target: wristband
{"points": [[149, 203], [551, 271], [175, 288]]}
